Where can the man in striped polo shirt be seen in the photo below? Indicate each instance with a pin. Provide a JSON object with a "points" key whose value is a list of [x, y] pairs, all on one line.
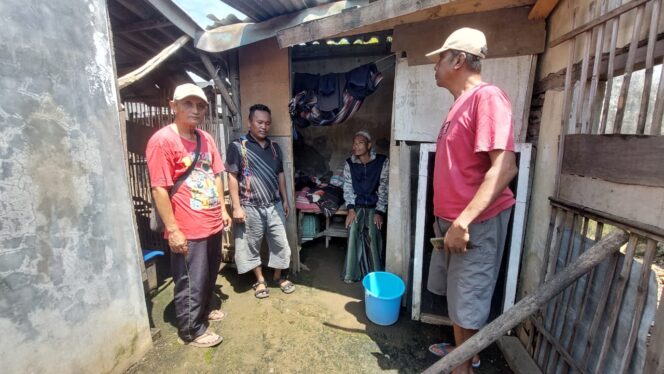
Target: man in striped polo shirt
{"points": [[260, 205]]}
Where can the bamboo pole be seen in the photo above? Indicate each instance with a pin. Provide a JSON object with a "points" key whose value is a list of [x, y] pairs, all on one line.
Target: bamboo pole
{"points": [[561, 305], [554, 250], [583, 81], [642, 293], [623, 277], [654, 351], [647, 82], [586, 292], [629, 68], [658, 112], [566, 105], [594, 81], [530, 304], [612, 15], [532, 344], [570, 292], [152, 63], [609, 75], [565, 354]]}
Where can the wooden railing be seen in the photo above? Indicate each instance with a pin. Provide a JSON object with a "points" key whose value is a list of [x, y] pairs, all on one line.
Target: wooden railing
{"points": [[574, 318]]}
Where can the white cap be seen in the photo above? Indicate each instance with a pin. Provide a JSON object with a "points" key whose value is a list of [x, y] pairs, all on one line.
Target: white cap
{"points": [[466, 40], [189, 89], [363, 133]]}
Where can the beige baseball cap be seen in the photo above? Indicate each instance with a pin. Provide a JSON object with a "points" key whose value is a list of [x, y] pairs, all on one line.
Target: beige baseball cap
{"points": [[189, 89], [464, 39]]}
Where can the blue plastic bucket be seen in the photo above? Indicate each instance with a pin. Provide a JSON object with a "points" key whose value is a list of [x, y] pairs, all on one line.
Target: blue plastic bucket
{"points": [[382, 297]]}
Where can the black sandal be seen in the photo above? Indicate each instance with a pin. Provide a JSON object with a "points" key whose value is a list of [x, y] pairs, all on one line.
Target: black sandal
{"points": [[285, 285], [261, 294]]}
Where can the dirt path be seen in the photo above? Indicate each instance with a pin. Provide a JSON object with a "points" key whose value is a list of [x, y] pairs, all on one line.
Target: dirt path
{"points": [[321, 328]]}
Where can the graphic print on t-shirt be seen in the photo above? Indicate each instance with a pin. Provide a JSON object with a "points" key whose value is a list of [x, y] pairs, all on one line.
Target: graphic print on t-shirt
{"points": [[201, 183]]}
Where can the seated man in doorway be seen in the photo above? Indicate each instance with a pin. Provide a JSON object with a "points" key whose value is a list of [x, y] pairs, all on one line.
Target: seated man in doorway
{"points": [[474, 165], [185, 174], [260, 205], [365, 192]]}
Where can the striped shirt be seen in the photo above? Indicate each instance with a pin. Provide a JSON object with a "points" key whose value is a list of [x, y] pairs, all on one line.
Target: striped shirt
{"points": [[257, 169]]}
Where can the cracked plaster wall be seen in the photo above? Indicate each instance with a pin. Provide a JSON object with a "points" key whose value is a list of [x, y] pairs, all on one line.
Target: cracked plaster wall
{"points": [[71, 297]]}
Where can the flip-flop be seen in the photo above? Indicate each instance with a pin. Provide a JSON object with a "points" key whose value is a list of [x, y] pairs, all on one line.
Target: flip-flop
{"points": [[200, 342], [442, 347], [216, 316], [439, 349], [288, 287], [261, 294]]}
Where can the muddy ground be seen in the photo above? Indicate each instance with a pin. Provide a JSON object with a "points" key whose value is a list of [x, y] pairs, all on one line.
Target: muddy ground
{"points": [[321, 328]]}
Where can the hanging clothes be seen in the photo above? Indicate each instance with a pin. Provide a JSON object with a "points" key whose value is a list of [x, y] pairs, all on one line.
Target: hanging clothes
{"points": [[332, 98]]}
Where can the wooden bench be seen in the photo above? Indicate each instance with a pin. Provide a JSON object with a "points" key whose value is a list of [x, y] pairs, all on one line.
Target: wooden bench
{"points": [[331, 229]]}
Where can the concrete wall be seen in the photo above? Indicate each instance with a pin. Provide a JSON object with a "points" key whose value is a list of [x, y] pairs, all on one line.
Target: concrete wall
{"points": [[324, 149], [71, 297], [551, 61]]}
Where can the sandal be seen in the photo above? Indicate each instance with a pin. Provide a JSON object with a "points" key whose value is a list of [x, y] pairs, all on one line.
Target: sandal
{"points": [[216, 315], [285, 285], [440, 350], [206, 340], [262, 293]]}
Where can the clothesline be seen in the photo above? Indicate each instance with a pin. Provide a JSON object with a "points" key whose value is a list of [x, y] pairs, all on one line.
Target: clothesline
{"points": [[376, 62]]}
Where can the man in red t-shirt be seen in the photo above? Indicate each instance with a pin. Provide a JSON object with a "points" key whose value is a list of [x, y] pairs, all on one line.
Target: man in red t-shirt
{"points": [[474, 165], [194, 214]]}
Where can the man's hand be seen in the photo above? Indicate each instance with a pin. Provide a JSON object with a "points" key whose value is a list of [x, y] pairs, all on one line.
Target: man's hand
{"points": [[178, 242], [286, 208], [225, 218], [350, 218], [456, 238], [238, 215], [378, 220]]}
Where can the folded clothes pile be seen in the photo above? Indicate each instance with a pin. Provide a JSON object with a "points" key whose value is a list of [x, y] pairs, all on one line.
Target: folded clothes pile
{"points": [[326, 199]]}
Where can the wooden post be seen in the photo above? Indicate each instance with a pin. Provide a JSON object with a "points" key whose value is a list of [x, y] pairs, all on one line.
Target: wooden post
{"points": [[614, 314], [647, 81], [566, 107], [594, 82], [524, 308], [609, 75], [560, 311], [220, 84], [655, 353], [642, 293], [629, 68], [583, 81]]}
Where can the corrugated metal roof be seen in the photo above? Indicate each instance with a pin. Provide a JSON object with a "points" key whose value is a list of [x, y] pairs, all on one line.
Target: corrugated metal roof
{"points": [[261, 10]]}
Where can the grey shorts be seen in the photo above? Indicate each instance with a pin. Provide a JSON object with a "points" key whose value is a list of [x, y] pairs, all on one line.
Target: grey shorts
{"points": [[259, 222], [468, 279]]}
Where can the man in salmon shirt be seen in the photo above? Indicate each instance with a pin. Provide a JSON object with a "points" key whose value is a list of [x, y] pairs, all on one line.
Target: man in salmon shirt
{"points": [[194, 215], [474, 165]]}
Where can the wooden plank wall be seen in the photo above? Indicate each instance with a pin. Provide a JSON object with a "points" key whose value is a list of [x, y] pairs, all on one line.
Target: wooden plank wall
{"points": [[508, 33], [265, 79], [601, 323], [420, 105], [616, 158]]}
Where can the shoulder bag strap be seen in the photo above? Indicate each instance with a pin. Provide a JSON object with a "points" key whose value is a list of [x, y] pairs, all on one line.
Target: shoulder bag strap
{"points": [[183, 177]]}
